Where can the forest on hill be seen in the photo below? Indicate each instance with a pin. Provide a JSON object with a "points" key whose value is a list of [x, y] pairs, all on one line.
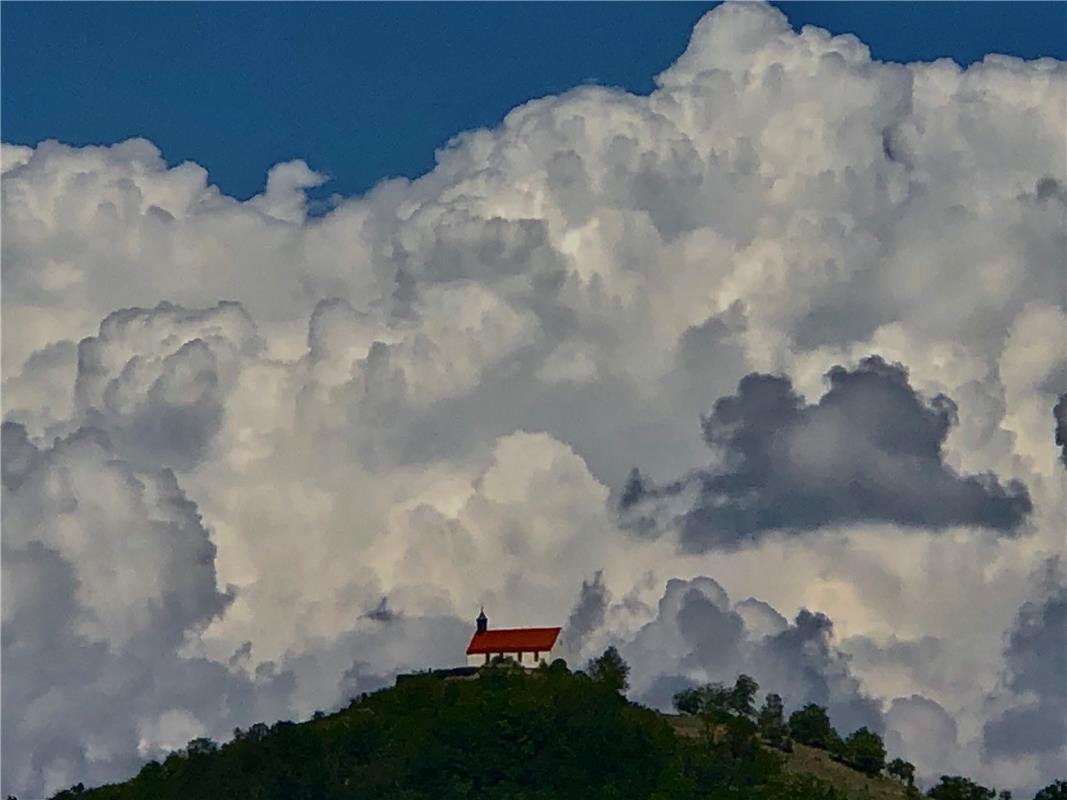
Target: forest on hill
{"points": [[503, 733]]}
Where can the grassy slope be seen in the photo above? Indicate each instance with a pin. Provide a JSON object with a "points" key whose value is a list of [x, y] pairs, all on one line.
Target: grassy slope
{"points": [[811, 761], [818, 763]]}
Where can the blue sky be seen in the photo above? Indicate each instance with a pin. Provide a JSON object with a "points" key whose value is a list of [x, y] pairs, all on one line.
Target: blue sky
{"points": [[364, 91]]}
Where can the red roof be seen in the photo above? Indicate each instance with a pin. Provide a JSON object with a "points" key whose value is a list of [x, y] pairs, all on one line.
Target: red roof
{"points": [[513, 640]]}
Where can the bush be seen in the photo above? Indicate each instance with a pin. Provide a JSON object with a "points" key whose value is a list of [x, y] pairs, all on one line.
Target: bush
{"points": [[771, 722], [717, 703], [810, 725], [741, 700], [688, 701], [1054, 791], [610, 670], [953, 787], [902, 770], [865, 751]]}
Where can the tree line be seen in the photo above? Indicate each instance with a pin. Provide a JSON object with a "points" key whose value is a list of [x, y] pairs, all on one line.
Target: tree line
{"points": [[731, 710]]}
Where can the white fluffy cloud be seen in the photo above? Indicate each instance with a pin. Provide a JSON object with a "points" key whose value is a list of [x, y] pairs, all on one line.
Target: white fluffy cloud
{"points": [[434, 392]]}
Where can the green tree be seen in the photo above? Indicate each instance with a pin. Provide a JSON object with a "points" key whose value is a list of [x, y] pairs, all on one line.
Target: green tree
{"points": [[865, 751], [810, 725], [902, 770], [558, 667], [955, 787], [771, 722], [688, 701], [715, 702], [718, 703], [1054, 791], [742, 697], [200, 747], [610, 670]]}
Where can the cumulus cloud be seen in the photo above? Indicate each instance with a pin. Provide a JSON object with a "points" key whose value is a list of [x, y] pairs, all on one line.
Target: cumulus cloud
{"points": [[154, 380], [1033, 723], [109, 581], [107, 568], [871, 449], [698, 635], [919, 730], [588, 614], [285, 198], [236, 427]]}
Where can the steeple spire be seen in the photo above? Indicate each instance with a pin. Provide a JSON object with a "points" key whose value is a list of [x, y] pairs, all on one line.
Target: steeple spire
{"points": [[482, 621]]}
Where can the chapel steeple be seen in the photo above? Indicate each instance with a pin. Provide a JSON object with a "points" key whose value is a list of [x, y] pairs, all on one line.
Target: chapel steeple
{"points": [[482, 621]]}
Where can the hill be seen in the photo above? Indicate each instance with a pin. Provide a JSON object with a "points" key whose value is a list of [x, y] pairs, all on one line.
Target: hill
{"points": [[502, 733]]}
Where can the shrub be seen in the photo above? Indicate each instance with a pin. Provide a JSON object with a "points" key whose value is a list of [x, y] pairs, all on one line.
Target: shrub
{"points": [[810, 725], [865, 751]]}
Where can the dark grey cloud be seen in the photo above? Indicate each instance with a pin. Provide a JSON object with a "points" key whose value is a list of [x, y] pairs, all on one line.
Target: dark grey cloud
{"points": [[19, 454], [1059, 413], [1035, 674], [713, 633], [1048, 188], [803, 662], [588, 614], [870, 450]]}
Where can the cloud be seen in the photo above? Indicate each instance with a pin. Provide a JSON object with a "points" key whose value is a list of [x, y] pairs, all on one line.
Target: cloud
{"points": [[109, 581], [588, 614], [1034, 722], [698, 636], [760, 618], [433, 393], [922, 732], [107, 570], [155, 379], [869, 450], [285, 198]]}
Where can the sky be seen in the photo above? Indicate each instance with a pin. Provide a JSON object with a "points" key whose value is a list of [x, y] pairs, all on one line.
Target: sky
{"points": [[368, 91], [739, 346]]}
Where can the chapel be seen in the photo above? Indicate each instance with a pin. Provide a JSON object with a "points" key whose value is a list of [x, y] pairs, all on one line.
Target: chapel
{"points": [[528, 647]]}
